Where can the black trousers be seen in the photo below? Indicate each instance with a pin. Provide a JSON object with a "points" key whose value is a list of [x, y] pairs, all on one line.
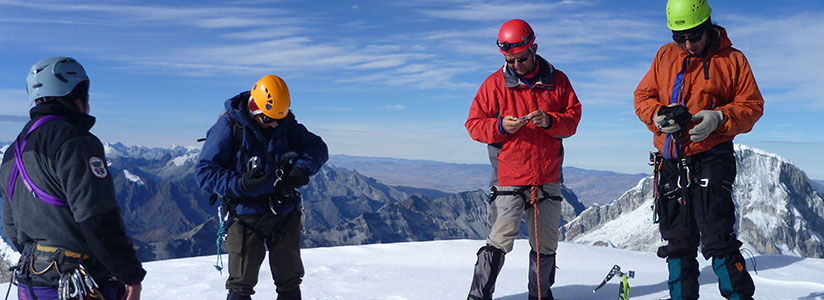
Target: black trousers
{"points": [[707, 218], [247, 250]]}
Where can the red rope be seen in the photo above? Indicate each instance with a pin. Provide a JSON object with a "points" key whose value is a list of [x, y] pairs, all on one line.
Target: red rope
{"points": [[534, 202]]}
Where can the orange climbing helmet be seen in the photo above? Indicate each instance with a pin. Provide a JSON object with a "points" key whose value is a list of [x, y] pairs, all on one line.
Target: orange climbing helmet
{"points": [[270, 96]]}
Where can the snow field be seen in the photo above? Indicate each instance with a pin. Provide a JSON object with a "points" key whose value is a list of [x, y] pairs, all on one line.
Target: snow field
{"points": [[443, 270]]}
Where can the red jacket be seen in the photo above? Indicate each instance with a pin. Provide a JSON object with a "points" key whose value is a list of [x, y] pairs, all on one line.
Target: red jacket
{"points": [[724, 81], [532, 155]]}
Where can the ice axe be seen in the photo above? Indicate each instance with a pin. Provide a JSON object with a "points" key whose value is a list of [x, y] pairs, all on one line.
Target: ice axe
{"points": [[623, 287]]}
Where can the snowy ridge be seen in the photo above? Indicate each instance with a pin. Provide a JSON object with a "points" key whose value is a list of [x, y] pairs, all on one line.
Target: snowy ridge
{"points": [[4, 148], [120, 150], [778, 212], [132, 177], [190, 157]]}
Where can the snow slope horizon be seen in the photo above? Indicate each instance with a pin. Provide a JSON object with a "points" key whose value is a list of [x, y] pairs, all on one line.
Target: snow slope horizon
{"points": [[443, 270]]}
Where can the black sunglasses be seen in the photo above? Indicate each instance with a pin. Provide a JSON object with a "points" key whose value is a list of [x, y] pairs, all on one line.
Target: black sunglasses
{"points": [[266, 119], [692, 38], [520, 60]]}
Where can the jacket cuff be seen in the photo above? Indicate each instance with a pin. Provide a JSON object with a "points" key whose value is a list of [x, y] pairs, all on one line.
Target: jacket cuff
{"points": [[501, 126]]}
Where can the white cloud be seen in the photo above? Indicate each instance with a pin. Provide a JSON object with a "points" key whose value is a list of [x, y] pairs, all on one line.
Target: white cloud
{"points": [[784, 53], [394, 107]]}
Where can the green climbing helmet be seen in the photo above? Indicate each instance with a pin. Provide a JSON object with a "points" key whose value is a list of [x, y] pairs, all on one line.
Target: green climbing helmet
{"points": [[687, 14]]}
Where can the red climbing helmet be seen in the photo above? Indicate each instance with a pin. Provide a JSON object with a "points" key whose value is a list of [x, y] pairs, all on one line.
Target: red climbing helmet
{"points": [[515, 36]]}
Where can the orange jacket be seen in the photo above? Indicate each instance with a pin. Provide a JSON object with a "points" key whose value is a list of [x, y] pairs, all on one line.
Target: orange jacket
{"points": [[724, 81], [532, 155]]}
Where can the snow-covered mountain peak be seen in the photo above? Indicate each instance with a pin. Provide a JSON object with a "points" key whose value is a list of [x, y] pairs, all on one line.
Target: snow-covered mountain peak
{"points": [[778, 211]]}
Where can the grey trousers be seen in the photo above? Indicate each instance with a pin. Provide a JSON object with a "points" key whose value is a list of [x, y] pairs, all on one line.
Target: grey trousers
{"points": [[506, 211]]}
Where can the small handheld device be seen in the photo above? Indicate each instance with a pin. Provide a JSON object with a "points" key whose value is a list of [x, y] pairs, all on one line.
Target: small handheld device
{"points": [[524, 118]]}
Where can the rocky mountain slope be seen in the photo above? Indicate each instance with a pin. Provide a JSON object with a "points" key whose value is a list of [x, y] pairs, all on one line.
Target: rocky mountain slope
{"points": [[778, 210]]}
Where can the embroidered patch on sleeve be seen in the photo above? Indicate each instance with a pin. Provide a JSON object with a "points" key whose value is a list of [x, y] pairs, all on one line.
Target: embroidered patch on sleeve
{"points": [[98, 167]]}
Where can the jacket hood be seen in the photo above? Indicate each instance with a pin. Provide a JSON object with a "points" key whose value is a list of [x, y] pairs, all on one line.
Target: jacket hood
{"points": [[512, 79]]}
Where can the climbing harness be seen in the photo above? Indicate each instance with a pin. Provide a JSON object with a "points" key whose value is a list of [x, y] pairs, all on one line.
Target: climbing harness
{"points": [[20, 170]]}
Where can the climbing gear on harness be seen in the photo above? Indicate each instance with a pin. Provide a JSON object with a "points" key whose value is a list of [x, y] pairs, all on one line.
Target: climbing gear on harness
{"points": [[534, 201], [519, 191], [78, 284], [655, 160], [623, 287], [20, 170], [226, 212]]}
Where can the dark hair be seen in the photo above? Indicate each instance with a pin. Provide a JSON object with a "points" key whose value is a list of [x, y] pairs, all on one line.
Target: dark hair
{"points": [[80, 91]]}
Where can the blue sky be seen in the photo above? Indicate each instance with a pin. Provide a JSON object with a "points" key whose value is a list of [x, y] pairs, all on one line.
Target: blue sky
{"points": [[396, 79]]}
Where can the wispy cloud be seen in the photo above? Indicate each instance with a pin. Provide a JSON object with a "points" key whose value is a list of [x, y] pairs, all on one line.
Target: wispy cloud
{"points": [[475, 11], [784, 55], [394, 107]]}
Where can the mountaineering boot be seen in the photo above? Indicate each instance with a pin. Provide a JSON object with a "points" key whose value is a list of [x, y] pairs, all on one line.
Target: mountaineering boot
{"points": [[547, 279], [289, 295], [683, 278], [233, 296], [734, 281], [489, 264]]}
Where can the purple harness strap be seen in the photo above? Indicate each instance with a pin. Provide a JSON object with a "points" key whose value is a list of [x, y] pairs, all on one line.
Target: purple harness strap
{"points": [[20, 169]]}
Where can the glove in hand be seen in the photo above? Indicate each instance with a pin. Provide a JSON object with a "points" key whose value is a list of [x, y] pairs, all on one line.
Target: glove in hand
{"points": [[297, 178], [709, 122], [671, 118], [254, 179]]}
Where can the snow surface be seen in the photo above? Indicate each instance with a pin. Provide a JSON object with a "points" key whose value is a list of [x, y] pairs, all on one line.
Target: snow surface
{"points": [[443, 270], [132, 177]]}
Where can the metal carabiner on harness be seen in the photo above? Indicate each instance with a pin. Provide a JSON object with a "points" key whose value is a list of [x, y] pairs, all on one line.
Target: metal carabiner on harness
{"points": [[278, 178]]}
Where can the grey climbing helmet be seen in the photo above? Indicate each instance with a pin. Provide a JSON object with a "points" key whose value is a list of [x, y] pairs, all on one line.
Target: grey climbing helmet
{"points": [[54, 77]]}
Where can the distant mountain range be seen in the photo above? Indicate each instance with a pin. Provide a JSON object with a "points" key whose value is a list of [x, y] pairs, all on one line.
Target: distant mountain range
{"points": [[591, 187]]}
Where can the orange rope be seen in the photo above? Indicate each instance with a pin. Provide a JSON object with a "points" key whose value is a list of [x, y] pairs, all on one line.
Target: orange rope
{"points": [[534, 202]]}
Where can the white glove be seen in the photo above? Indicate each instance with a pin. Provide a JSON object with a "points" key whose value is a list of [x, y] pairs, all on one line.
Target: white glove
{"points": [[709, 122]]}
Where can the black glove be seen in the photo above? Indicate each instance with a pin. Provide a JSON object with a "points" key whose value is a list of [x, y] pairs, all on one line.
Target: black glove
{"points": [[297, 178], [255, 179], [672, 118]]}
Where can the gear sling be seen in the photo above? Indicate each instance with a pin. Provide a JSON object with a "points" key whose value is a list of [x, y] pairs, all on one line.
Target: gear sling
{"points": [[226, 212], [74, 282]]}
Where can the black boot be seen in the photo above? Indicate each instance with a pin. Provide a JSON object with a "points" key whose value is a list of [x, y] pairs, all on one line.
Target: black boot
{"points": [[547, 279], [734, 281], [489, 264], [233, 296], [683, 278], [289, 295]]}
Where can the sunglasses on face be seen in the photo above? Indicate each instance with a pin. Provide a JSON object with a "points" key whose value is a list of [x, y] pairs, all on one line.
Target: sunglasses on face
{"points": [[684, 38], [520, 60], [266, 119]]}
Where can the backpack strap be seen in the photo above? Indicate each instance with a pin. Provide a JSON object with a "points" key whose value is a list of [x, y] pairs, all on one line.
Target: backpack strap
{"points": [[20, 170]]}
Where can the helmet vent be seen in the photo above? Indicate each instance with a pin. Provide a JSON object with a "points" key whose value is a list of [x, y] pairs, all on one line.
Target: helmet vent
{"points": [[61, 77]]}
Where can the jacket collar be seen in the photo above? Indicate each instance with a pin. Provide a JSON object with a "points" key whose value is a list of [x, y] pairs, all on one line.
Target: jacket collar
{"points": [[65, 109], [511, 79]]}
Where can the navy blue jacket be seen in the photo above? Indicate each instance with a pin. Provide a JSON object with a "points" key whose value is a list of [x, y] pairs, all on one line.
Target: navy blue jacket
{"points": [[220, 167]]}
